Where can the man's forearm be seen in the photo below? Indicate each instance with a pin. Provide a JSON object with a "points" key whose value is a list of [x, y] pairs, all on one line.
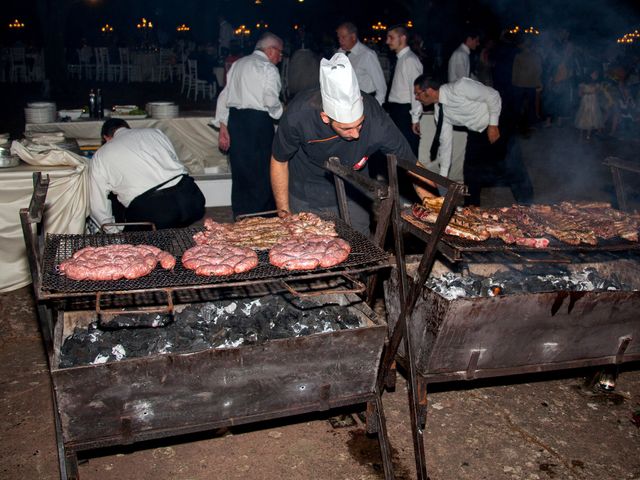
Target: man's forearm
{"points": [[417, 185], [280, 183]]}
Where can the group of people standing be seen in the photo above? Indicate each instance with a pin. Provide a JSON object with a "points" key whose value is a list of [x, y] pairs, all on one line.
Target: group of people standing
{"points": [[354, 115]]}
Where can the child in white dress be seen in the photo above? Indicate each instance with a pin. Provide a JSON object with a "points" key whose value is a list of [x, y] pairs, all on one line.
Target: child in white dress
{"points": [[589, 116]]}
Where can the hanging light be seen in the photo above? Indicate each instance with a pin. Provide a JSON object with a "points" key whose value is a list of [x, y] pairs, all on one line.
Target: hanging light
{"points": [[16, 24]]}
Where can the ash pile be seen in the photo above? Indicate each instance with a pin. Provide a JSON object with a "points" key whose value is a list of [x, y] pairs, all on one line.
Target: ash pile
{"points": [[222, 324], [513, 282]]}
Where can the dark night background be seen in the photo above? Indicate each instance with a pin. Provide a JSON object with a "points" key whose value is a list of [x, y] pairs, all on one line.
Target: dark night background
{"points": [[436, 20], [59, 24]]}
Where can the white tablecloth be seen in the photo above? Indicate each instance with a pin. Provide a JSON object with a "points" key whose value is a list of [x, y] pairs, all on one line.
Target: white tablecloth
{"points": [[194, 140], [66, 209]]}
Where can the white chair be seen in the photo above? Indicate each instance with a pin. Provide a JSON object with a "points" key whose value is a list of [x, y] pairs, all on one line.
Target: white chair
{"points": [[37, 73], [163, 70], [102, 63], [18, 65], [85, 55], [196, 84], [128, 71]]}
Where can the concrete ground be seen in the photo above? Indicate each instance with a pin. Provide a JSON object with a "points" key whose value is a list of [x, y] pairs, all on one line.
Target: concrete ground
{"points": [[535, 427]]}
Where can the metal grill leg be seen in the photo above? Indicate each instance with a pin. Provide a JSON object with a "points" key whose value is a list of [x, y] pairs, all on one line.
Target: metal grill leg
{"points": [[385, 447], [67, 458], [413, 391]]}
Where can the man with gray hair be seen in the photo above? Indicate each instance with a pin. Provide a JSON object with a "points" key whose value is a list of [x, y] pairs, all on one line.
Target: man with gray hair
{"points": [[364, 61], [245, 111]]}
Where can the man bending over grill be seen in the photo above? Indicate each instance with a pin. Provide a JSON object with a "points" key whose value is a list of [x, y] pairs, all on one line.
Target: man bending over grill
{"points": [[141, 168], [489, 157], [336, 120]]}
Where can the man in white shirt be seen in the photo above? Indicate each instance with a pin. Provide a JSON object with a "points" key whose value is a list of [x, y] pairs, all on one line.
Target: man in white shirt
{"points": [[402, 106], [460, 62], [141, 167], [468, 103], [245, 111], [225, 35], [364, 61]]}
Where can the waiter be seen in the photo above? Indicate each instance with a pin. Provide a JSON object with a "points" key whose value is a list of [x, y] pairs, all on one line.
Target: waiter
{"points": [[141, 167], [336, 120], [363, 60], [245, 112], [470, 104]]}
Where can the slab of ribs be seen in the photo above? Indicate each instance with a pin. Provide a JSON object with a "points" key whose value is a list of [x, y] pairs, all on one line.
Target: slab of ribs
{"points": [[533, 225]]}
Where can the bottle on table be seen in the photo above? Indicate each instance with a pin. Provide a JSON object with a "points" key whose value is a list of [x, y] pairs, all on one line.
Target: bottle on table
{"points": [[99, 110], [92, 104]]}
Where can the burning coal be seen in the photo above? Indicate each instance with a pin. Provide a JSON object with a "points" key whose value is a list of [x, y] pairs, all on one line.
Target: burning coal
{"points": [[513, 282], [223, 324]]}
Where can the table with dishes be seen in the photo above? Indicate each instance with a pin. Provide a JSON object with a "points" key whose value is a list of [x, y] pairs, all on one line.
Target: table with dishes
{"points": [[195, 141]]}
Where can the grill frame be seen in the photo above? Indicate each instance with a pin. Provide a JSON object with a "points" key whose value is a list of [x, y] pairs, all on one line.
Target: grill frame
{"points": [[364, 256]]}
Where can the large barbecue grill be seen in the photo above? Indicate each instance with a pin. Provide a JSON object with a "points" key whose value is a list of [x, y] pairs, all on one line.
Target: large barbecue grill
{"points": [[440, 339], [364, 256], [163, 395]]}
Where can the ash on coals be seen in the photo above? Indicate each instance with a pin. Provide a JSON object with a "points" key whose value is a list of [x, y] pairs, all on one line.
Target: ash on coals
{"points": [[453, 285], [224, 324]]}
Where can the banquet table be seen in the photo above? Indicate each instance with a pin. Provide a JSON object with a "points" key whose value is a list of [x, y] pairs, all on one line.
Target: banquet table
{"points": [[196, 144], [66, 210]]}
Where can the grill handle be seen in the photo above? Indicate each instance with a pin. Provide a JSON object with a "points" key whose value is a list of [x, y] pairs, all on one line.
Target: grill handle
{"points": [[359, 287], [168, 308]]}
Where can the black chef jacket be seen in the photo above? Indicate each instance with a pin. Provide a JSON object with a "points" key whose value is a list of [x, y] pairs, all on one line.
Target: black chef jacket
{"points": [[306, 142]]}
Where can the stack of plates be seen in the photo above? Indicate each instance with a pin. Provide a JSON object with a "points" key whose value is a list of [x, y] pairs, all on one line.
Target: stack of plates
{"points": [[162, 109], [40, 112]]}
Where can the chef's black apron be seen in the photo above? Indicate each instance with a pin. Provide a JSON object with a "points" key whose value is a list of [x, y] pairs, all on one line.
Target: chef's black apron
{"points": [[172, 207]]}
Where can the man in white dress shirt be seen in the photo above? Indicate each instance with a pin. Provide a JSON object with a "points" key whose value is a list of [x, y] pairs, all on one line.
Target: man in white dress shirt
{"points": [[245, 111], [402, 106], [141, 167], [468, 103], [225, 35], [460, 61], [364, 61]]}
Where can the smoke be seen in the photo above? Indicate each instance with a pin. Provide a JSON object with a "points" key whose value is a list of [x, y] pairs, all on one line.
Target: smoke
{"points": [[585, 20]]}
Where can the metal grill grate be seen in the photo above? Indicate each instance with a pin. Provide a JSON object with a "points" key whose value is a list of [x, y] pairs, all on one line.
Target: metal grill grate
{"points": [[497, 245], [176, 241]]}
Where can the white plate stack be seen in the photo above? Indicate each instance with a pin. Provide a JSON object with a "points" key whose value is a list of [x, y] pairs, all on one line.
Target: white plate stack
{"points": [[40, 112], [162, 109]]}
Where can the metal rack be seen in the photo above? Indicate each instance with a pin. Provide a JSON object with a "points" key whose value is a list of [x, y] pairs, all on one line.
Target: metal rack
{"points": [[97, 405]]}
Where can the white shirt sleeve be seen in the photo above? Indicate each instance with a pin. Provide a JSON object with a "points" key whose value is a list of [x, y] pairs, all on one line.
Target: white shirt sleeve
{"points": [[445, 151], [100, 205], [377, 76], [272, 93], [414, 70], [478, 92], [222, 108]]}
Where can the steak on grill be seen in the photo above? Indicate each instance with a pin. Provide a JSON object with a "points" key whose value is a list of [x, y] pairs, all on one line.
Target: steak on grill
{"points": [[309, 252], [262, 233], [113, 262], [571, 223]]}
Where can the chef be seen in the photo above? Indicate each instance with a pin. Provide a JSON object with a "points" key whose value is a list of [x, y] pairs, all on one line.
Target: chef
{"points": [[141, 167], [336, 120]]}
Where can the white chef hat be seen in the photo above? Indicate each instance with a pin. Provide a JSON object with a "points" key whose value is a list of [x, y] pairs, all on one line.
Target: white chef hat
{"points": [[341, 98]]}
